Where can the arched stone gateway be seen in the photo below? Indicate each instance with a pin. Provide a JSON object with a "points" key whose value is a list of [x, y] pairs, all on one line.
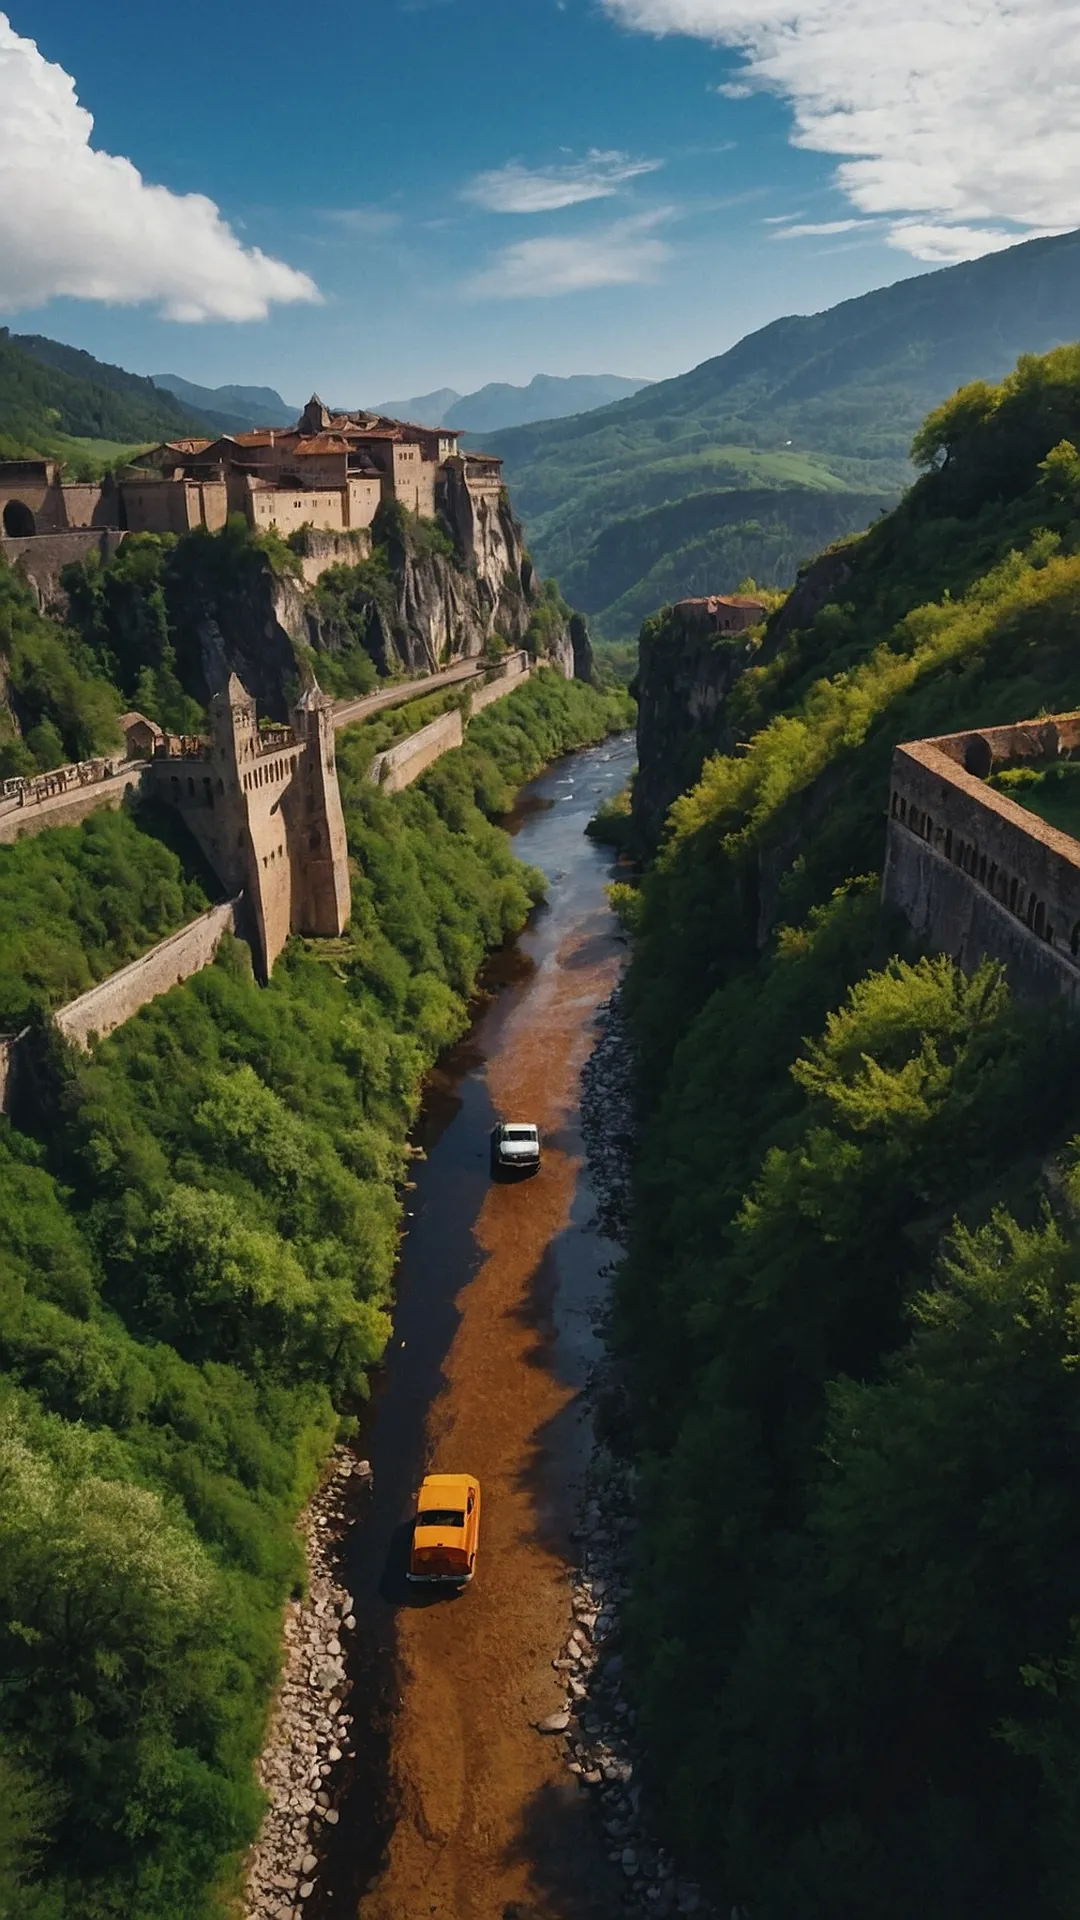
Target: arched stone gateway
{"points": [[19, 522]]}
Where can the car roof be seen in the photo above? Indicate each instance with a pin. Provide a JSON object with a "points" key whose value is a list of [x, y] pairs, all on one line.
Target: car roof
{"points": [[439, 1489]]}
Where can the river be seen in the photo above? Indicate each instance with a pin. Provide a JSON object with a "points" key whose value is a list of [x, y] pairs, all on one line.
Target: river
{"points": [[455, 1805]]}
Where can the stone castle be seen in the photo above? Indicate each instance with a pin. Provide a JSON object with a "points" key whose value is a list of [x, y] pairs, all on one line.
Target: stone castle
{"points": [[264, 806], [974, 873], [331, 472]]}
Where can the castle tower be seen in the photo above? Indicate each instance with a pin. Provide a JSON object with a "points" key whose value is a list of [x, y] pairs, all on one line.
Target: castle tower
{"points": [[322, 890]]}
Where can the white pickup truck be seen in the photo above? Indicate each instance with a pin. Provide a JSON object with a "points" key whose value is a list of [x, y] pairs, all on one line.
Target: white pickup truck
{"points": [[515, 1148]]}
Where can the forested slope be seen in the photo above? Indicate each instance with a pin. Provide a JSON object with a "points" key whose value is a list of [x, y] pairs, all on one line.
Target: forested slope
{"points": [[51, 394], [825, 401], [198, 1229], [850, 1309]]}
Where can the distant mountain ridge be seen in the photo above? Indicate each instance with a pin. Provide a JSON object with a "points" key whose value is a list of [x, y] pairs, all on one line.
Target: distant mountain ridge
{"points": [[547, 397], [243, 407], [828, 400], [50, 393]]}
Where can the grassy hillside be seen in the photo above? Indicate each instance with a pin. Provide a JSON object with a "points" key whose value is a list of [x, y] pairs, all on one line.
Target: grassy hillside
{"points": [[849, 1312], [830, 399], [51, 395]]}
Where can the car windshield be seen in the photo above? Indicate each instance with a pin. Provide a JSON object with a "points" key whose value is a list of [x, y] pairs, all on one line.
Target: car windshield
{"points": [[521, 1133], [440, 1517]]}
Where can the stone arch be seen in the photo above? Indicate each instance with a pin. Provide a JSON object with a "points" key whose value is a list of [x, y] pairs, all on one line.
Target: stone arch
{"points": [[978, 756], [19, 522]]}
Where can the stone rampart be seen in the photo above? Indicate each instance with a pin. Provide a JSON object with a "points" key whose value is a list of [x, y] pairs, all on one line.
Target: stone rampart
{"points": [[67, 806], [403, 763], [514, 672], [976, 874], [115, 1000]]}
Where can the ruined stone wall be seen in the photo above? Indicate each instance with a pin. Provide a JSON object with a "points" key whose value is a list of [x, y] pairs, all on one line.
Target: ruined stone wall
{"points": [[974, 873], [400, 765], [115, 1000], [39, 558]]}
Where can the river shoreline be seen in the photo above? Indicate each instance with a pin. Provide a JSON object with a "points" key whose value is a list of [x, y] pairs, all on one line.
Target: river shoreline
{"points": [[569, 944]]}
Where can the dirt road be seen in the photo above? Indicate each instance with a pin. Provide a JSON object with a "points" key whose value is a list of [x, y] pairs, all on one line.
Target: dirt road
{"points": [[460, 1809]]}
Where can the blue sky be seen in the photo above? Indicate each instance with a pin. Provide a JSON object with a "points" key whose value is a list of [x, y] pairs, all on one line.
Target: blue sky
{"points": [[453, 191]]}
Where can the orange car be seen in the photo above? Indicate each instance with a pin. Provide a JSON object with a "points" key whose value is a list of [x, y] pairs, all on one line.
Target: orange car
{"points": [[446, 1529]]}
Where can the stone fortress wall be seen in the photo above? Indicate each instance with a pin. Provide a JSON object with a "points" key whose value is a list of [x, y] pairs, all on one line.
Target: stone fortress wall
{"points": [[113, 1001], [404, 762], [63, 798], [265, 808], [974, 873]]}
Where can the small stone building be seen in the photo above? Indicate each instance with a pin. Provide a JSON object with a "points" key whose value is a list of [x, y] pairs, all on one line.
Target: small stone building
{"points": [[724, 612]]}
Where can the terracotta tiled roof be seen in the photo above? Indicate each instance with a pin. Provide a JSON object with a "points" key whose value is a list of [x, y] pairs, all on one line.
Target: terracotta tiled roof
{"points": [[321, 443]]}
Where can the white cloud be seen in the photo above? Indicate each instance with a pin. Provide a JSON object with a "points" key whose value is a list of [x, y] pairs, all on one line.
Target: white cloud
{"points": [[77, 221], [618, 255], [518, 189], [815, 227], [951, 117]]}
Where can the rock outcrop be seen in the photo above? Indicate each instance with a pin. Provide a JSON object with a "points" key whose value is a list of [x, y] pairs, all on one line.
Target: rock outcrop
{"points": [[685, 672], [430, 598]]}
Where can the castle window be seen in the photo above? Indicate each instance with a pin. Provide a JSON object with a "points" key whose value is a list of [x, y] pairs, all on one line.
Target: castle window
{"points": [[982, 870], [1074, 941], [221, 786], [1013, 884], [991, 878], [191, 789], [1040, 920], [948, 843]]}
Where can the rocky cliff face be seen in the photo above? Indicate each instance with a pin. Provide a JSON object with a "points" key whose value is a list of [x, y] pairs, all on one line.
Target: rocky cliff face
{"points": [[685, 672], [438, 599]]}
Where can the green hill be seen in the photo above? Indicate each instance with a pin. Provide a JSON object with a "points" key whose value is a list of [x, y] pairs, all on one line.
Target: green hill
{"points": [[51, 394], [849, 1312], [829, 400], [647, 559]]}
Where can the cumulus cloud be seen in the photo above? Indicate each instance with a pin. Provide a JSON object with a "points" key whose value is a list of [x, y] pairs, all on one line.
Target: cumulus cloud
{"points": [[621, 254], [958, 119], [518, 189], [77, 221]]}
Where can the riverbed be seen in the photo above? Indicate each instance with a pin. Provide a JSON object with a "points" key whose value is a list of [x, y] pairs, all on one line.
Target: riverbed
{"points": [[454, 1804]]}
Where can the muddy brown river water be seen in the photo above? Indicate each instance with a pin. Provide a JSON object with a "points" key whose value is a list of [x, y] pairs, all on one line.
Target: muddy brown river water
{"points": [[455, 1806]]}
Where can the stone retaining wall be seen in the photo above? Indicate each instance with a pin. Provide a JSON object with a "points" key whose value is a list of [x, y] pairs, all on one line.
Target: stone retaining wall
{"points": [[172, 961], [400, 765], [513, 675]]}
